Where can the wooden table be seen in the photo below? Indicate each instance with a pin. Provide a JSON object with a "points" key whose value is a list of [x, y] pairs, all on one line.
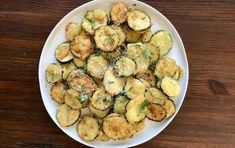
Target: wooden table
{"points": [[207, 116]]}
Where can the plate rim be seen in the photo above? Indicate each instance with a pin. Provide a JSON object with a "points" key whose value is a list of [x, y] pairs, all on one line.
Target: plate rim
{"points": [[184, 55]]}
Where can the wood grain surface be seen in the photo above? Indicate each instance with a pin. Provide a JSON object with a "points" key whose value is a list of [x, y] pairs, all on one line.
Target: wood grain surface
{"points": [[207, 116]]}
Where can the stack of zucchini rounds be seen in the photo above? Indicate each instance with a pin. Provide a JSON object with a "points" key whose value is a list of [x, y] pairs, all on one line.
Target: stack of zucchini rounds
{"points": [[113, 65]]}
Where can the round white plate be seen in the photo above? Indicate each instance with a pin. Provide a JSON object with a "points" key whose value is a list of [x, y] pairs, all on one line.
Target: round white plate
{"points": [[57, 36]]}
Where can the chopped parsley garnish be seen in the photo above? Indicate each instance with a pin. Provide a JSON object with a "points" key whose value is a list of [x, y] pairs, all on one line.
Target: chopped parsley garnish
{"points": [[143, 105]]}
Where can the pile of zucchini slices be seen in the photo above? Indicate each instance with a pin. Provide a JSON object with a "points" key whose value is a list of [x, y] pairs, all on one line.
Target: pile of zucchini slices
{"points": [[113, 65]]}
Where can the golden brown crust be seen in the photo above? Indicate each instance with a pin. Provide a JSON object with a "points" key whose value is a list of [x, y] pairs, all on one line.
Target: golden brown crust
{"points": [[58, 91], [156, 112], [119, 13]]}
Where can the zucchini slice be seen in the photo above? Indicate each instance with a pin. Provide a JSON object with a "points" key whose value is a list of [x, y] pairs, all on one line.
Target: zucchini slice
{"points": [[81, 47], [98, 113], [120, 104], [138, 20], [147, 77], [94, 19], [53, 73], [119, 13], [79, 62], [170, 108], [112, 56], [75, 73], [84, 84], [131, 36], [101, 100], [155, 95], [136, 110], [134, 88], [106, 38], [62, 53], [73, 99], [146, 36], [156, 112], [112, 83], [117, 128], [165, 67], [170, 86], [120, 33], [67, 69], [72, 30], [102, 136], [97, 66], [178, 74], [58, 91], [163, 41], [66, 116], [125, 66], [151, 52], [88, 128]]}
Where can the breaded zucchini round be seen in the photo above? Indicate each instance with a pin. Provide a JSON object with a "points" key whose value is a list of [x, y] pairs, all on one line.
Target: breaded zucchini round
{"points": [[125, 66], [117, 128], [170, 108], [120, 33], [94, 19], [53, 73], [165, 67], [136, 110], [106, 38], [113, 55], [134, 88], [131, 36], [151, 53], [72, 30], [112, 83], [101, 100], [147, 77], [88, 128], [146, 36], [67, 69], [58, 91], [155, 95], [119, 13], [120, 104], [82, 47], [170, 86], [73, 99], [66, 116], [156, 112], [98, 113], [79, 62], [97, 66], [62, 53], [74, 73], [138, 20]]}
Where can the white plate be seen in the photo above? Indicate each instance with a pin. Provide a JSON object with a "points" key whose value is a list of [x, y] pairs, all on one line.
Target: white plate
{"points": [[57, 36]]}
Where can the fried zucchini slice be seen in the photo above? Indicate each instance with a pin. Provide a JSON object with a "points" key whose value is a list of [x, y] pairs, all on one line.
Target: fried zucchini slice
{"points": [[101, 100], [67, 69], [79, 62], [139, 126], [53, 73], [170, 108], [120, 104], [72, 30], [112, 83], [131, 36], [97, 66], [138, 20], [88, 128], [75, 73], [58, 91], [94, 19], [120, 33], [82, 47], [62, 53], [147, 77], [66, 116], [73, 99], [113, 55], [119, 13], [98, 113], [134, 88], [84, 84], [136, 110], [163, 41], [146, 36], [125, 66], [178, 74], [151, 53], [117, 128], [155, 95], [102, 136], [170, 86], [106, 38], [156, 112], [165, 67]]}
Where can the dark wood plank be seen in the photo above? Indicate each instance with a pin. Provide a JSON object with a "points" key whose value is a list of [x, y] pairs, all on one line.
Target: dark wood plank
{"points": [[206, 118]]}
